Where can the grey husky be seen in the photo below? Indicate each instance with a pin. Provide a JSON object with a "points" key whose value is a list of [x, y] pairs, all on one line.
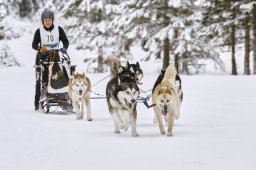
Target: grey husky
{"points": [[122, 93]]}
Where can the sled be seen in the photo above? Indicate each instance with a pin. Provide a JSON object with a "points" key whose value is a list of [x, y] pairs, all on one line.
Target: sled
{"points": [[55, 92]]}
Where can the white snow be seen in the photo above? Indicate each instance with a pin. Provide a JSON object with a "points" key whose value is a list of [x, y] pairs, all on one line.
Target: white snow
{"points": [[215, 130]]}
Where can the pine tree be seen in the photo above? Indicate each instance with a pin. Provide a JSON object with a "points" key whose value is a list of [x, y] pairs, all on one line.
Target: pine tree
{"points": [[221, 19], [162, 26], [89, 28]]}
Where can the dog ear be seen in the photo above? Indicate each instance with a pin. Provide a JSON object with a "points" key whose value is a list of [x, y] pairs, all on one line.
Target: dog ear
{"points": [[120, 69], [132, 70], [119, 81], [138, 64], [76, 74], [127, 64]]}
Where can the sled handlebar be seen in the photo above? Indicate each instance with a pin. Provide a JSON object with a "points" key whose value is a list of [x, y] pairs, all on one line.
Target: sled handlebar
{"points": [[52, 62]]}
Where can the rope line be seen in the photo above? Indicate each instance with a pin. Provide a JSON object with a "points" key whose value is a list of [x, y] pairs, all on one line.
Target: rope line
{"points": [[100, 81]]}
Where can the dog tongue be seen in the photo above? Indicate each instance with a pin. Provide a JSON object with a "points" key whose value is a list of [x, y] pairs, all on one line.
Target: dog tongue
{"points": [[164, 112]]}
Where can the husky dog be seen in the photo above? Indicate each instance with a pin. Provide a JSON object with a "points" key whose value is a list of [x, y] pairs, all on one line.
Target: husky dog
{"points": [[137, 70], [177, 84], [79, 92], [116, 68], [122, 92], [167, 99]]}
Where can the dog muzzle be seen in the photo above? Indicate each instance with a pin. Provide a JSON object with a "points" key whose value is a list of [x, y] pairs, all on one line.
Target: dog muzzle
{"points": [[128, 104], [165, 110]]}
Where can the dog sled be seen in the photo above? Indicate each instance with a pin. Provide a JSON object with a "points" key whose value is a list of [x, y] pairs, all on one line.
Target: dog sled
{"points": [[54, 92]]}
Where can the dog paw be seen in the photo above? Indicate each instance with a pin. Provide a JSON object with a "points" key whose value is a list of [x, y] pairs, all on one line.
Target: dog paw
{"points": [[117, 131], [162, 132], [169, 134], [135, 134], [89, 119]]}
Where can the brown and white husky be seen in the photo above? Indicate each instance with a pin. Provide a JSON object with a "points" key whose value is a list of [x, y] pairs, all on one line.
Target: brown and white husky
{"points": [[167, 100], [79, 92]]}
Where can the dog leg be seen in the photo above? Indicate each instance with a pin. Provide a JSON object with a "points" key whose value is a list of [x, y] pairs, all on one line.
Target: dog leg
{"points": [[82, 109], [115, 119], [77, 109], [160, 122], [170, 118], [120, 121], [125, 117], [88, 109], [133, 118], [177, 115]]}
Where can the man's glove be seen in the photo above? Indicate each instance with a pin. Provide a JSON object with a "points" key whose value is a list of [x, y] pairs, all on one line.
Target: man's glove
{"points": [[63, 50], [43, 51]]}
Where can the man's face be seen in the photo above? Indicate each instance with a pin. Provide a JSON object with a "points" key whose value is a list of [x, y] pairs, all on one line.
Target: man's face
{"points": [[47, 22]]}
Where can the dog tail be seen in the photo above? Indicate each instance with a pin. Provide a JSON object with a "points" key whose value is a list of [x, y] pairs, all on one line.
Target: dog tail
{"points": [[170, 73], [114, 64]]}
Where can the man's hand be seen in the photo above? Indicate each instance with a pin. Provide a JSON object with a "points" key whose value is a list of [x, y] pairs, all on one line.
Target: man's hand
{"points": [[63, 50], [43, 51]]}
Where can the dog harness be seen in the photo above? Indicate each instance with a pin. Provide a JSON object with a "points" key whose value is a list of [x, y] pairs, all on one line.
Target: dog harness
{"points": [[50, 39]]}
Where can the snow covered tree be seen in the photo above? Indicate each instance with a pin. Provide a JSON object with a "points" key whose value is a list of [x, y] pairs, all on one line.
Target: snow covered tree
{"points": [[220, 20], [88, 22], [164, 29], [248, 9], [6, 57]]}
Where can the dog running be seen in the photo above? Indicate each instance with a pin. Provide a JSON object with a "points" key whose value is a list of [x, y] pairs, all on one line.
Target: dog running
{"points": [[122, 93], [167, 97], [79, 92]]}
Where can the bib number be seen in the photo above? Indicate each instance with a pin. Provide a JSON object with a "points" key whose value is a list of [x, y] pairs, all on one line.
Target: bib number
{"points": [[50, 38]]}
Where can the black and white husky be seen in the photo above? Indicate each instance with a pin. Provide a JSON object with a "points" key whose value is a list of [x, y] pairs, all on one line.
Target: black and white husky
{"points": [[115, 65], [122, 93]]}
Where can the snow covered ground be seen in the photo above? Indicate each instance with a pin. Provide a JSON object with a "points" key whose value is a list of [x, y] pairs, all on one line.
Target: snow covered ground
{"points": [[216, 129]]}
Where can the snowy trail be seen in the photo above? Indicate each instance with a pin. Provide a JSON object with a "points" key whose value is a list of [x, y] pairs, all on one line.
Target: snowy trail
{"points": [[216, 129]]}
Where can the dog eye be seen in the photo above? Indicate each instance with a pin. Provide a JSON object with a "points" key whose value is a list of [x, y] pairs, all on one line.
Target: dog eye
{"points": [[77, 85], [161, 101], [127, 92], [168, 100]]}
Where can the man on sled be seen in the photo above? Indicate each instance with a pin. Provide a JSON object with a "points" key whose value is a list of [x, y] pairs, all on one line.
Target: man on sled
{"points": [[46, 40]]}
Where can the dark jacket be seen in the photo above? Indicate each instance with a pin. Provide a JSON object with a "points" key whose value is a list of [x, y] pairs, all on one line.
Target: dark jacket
{"points": [[37, 39]]}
